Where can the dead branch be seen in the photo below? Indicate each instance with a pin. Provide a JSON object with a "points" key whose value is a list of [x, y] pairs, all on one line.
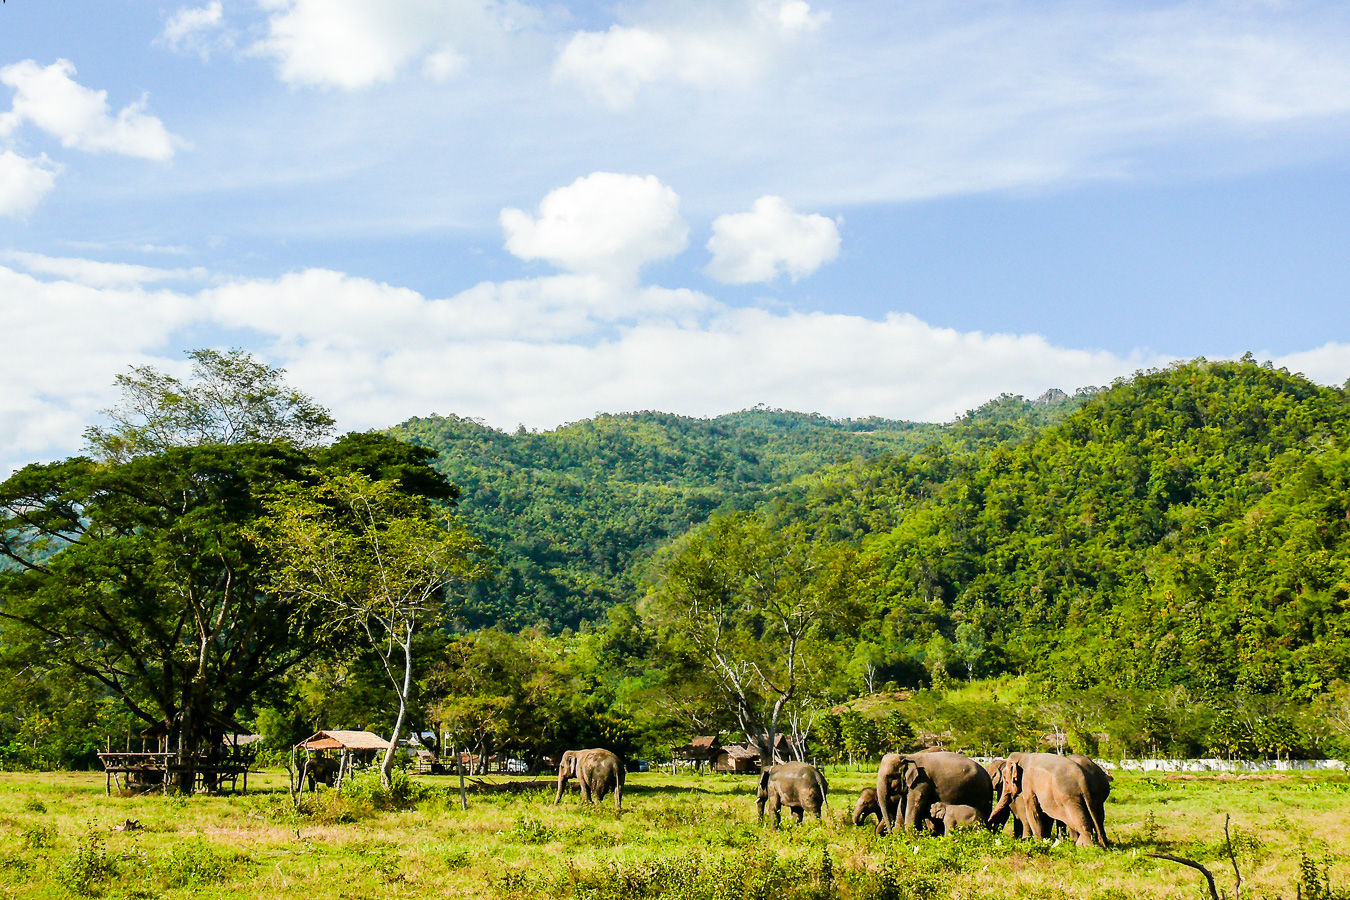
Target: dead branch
{"points": [[1213, 891]]}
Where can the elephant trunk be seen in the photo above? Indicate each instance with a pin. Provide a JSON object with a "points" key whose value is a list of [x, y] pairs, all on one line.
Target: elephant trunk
{"points": [[884, 796]]}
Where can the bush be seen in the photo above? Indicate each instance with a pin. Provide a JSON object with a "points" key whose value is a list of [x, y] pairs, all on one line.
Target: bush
{"points": [[89, 869], [194, 864], [364, 789]]}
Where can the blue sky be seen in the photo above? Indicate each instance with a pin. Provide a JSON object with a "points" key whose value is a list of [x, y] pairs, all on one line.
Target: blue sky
{"points": [[530, 213]]}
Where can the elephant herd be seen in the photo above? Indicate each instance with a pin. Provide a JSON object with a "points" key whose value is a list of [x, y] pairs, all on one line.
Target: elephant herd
{"points": [[1041, 792], [937, 790]]}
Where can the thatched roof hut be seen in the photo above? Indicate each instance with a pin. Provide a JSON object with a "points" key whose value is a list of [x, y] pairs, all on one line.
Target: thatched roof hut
{"points": [[343, 740], [737, 759]]}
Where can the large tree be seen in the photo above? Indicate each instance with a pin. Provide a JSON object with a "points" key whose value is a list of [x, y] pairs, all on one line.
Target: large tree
{"points": [[132, 568], [754, 607], [139, 577]]}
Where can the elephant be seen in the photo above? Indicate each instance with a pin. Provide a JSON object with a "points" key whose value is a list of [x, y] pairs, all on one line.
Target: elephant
{"points": [[945, 818], [1016, 810], [597, 771], [867, 806], [797, 785], [1053, 787], [913, 782], [1099, 788], [321, 770]]}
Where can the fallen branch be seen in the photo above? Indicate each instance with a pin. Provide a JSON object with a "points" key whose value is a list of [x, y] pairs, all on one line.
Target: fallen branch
{"points": [[1209, 876]]}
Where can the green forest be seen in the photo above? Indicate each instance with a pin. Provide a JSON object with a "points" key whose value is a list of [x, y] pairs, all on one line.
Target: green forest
{"points": [[1156, 567]]}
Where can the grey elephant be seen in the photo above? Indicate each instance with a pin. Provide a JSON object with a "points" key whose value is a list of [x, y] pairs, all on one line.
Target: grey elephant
{"points": [[1015, 810], [1099, 788], [911, 783], [867, 806], [798, 786], [945, 818], [597, 772], [1051, 787], [320, 770]]}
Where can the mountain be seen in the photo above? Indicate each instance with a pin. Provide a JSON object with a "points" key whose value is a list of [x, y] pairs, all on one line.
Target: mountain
{"points": [[1188, 526]]}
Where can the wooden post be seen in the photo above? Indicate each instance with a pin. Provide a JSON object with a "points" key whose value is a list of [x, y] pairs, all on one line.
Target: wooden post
{"points": [[463, 797]]}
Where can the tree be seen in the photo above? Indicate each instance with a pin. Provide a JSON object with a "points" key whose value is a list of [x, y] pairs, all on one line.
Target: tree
{"points": [[139, 577], [751, 604], [231, 399], [370, 560]]}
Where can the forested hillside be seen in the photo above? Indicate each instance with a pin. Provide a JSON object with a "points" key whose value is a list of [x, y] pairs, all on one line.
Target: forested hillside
{"points": [[1188, 527], [574, 512]]}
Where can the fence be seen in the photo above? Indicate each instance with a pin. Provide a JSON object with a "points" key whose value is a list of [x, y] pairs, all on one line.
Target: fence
{"points": [[1224, 765]]}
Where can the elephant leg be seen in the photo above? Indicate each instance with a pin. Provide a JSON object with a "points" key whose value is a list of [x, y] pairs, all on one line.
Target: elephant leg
{"points": [[775, 817], [1036, 821], [618, 797], [797, 814]]}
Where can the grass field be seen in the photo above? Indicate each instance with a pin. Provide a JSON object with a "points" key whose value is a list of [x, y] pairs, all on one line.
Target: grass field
{"points": [[685, 837]]}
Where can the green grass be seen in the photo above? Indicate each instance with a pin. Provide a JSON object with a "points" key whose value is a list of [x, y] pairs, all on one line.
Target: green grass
{"points": [[686, 837]]}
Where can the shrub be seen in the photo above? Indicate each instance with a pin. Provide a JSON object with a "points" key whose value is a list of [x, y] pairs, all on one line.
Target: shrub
{"points": [[87, 871], [194, 864]]}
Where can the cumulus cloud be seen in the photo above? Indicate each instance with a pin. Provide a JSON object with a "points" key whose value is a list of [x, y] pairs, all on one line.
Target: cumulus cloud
{"points": [[51, 99], [769, 240], [195, 30], [24, 182], [65, 343], [352, 44], [1328, 364], [613, 65], [604, 224], [100, 274], [539, 351]]}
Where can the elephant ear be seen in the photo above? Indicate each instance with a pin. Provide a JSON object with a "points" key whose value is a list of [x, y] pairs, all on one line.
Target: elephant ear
{"points": [[913, 775], [1012, 778]]}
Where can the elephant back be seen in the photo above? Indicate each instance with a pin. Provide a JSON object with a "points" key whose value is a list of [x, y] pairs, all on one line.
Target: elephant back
{"points": [[958, 779]]}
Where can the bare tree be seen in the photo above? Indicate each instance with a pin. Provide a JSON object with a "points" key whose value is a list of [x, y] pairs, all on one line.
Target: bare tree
{"points": [[378, 560]]}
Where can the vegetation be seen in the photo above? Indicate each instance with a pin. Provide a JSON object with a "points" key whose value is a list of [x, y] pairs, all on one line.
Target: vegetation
{"points": [[573, 514], [685, 837], [1159, 568]]}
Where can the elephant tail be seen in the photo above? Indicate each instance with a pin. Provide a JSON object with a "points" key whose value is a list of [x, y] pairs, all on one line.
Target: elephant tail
{"points": [[1097, 825]]}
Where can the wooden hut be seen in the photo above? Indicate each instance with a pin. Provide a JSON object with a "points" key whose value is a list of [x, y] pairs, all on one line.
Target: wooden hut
{"points": [[697, 754], [353, 748], [737, 759]]}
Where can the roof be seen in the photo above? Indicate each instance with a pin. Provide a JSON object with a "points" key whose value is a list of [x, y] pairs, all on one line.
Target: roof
{"points": [[344, 740], [739, 751], [706, 742]]}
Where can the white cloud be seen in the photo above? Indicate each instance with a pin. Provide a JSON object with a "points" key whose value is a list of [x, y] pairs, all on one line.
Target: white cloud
{"points": [[24, 182], [731, 50], [538, 351], [195, 29], [354, 44], [99, 274], [1327, 364], [65, 343], [769, 240], [442, 65], [53, 101], [603, 224], [612, 65]]}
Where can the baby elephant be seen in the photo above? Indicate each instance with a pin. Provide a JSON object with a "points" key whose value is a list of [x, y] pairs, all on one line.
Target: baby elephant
{"points": [[797, 785], [867, 806], [949, 817]]}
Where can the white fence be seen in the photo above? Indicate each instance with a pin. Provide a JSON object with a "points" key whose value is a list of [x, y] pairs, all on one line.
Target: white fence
{"points": [[1212, 765], [1223, 765]]}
